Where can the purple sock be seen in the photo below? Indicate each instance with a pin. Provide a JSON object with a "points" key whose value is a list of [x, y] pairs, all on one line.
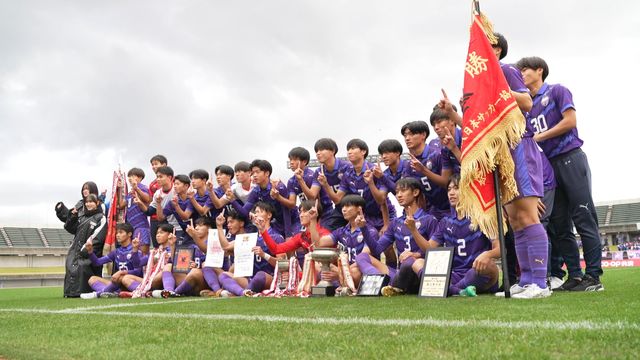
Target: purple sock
{"points": [[211, 278], [134, 285], [521, 243], [364, 264], [184, 288], [111, 287], [229, 284], [471, 277], [538, 252], [98, 287], [258, 282], [168, 282]]}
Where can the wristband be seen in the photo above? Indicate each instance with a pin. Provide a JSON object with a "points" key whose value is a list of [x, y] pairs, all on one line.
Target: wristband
{"points": [[267, 256]]}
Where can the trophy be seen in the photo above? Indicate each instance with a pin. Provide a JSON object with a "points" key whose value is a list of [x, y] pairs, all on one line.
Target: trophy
{"points": [[282, 267], [325, 256]]}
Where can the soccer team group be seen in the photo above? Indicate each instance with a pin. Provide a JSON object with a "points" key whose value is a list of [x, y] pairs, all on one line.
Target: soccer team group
{"points": [[345, 204]]}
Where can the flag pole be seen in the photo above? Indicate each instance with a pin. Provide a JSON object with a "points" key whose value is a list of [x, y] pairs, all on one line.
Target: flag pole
{"points": [[496, 188]]}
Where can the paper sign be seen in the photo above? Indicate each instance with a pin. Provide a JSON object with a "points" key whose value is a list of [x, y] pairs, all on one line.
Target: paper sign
{"points": [[215, 254], [243, 254]]}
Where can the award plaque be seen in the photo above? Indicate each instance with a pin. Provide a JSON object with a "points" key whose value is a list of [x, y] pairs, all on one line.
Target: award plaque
{"points": [[182, 258], [437, 273], [370, 285]]}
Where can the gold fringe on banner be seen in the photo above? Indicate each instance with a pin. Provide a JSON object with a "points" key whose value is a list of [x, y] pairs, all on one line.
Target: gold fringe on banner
{"points": [[481, 161]]}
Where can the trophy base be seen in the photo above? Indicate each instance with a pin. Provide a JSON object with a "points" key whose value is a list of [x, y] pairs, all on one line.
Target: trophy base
{"points": [[323, 291]]}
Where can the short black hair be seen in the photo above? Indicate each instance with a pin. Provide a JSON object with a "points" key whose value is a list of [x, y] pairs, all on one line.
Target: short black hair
{"points": [[416, 127], [165, 170], [534, 63], [390, 146], [306, 205], [183, 179], [206, 221], [125, 226], [265, 206], [263, 165], [438, 115], [502, 44], [455, 179], [300, 153], [353, 200], [242, 166], [224, 169], [326, 144], [236, 215], [136, 172], [199, 174], [159, 158], [359, 144], [409, 183], [165, 227]]}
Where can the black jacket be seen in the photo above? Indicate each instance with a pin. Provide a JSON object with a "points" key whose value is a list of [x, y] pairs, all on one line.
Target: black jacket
{"points": [[93, 224]]}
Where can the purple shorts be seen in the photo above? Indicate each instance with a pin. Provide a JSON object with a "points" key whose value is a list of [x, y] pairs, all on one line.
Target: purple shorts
{"points": [[143, 234], [528, 168]]}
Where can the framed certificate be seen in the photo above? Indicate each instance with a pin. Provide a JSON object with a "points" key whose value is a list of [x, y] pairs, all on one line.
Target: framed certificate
{"points": [[370, 285], [437, 273], [182, 258]]}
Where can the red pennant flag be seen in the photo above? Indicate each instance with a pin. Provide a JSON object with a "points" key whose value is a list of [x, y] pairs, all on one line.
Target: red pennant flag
{"points": [[491, 124]]}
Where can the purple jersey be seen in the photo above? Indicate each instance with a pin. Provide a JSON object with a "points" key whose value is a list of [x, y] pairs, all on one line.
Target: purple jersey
{"points": [[260, 264], [295, 189], [516, 84], [202, 200], [389, 179], [431, 157], [450, 161], [135, 216], [169, 210], [351, 242], [353, 183], [548, 105], [468, 244], [334, 178], [285, 221], [400, 234], [122, 259]]}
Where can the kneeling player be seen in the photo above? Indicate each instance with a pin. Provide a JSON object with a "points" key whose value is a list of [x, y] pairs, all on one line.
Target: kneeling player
{"points": [[473, 270], [121, 259], [408, 193]]}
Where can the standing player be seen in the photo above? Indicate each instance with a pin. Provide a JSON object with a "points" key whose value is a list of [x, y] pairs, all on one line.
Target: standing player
{"points": [[327, 179], [200, 203], [553, 118], [243, 185], [135, 216], [530, 237], [450, 136], [157, 162], [390, 151], [285, 219], [473, 270], [426, 166]]}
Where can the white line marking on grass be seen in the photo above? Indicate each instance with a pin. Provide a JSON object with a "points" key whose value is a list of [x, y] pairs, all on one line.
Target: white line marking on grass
{"points": [[441, 323], [133, 304]]}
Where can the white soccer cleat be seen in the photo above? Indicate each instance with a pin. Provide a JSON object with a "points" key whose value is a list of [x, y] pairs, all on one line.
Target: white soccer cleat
{"points": [[226, 294], [156, 294], [533, 291], [555, 282], [90, 295], [515, 289]]}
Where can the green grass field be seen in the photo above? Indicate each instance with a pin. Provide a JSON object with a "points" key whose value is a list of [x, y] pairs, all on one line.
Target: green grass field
{"points": [[40, 324], [32, 270]]}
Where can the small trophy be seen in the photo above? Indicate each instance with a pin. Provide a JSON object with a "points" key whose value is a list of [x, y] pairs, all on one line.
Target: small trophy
{"points": [[282, 267], [325, 256]]}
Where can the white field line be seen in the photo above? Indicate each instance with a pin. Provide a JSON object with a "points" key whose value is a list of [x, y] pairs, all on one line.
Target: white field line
{"points": [[432, 322], [132, 304]]}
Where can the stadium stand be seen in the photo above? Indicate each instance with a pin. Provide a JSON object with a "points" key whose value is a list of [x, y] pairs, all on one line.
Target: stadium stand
{"points": [[602, 214], [24, 237], [57, 237], [625, 213]]}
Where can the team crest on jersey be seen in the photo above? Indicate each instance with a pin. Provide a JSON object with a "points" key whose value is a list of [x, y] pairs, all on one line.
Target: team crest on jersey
{"points": [[429, 164], [359, 238], [418, 224], [545, 100], [340, 176], [128, 256]]}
